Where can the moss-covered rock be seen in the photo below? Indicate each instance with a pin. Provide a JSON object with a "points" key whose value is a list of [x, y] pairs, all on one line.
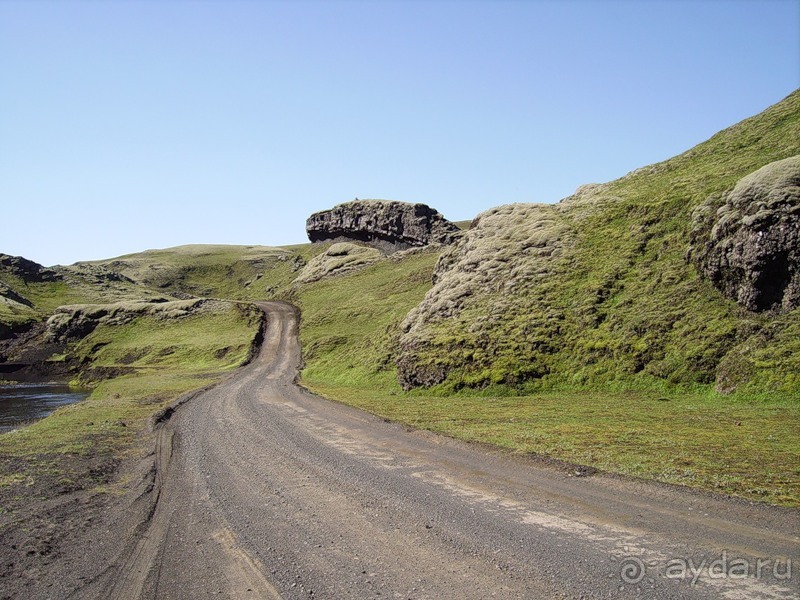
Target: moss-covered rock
{"points": [[747, 241], [339, 259], [505, 254]]}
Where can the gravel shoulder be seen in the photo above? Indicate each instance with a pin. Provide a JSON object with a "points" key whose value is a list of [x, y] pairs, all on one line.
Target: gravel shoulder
{"points": [[260, 489]]}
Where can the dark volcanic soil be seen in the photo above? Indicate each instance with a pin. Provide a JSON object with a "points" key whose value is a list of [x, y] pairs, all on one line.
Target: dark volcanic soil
{"points": [[23, 357]]}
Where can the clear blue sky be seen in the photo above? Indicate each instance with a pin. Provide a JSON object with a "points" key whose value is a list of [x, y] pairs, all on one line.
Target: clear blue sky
{"points": [[134, 125]]}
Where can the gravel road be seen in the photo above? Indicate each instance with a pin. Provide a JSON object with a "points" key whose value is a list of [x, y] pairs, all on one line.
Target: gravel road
{"points": [[266, 491]]}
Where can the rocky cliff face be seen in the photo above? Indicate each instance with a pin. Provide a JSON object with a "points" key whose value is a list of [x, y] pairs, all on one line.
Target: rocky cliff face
{"points": [[388, 225], [26, 269], [747, 242]]}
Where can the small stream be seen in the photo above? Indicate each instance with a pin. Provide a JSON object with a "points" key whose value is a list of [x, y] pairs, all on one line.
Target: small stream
{"points": [[21, 403]]}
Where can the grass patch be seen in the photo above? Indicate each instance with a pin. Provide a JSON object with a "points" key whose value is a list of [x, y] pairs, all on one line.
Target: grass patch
{"points": [[350, 324], [76, 286], [13, 315], [701, 440], [216, 338]]}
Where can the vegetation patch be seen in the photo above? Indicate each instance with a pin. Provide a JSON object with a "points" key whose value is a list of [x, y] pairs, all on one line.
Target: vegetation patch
{"points": [[78, 446], [232, 272], [340, 258], [350, 324], [598, 291], [14, 316], [699, 439]]}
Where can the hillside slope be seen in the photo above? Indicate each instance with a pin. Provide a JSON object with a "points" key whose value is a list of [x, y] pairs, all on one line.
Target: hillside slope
{"points": [[29, 292], [223, 271], [583, 331], [598, 290]]}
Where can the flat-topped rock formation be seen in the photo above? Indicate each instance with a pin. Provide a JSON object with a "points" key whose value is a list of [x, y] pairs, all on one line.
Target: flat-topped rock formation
{"points": [[388, 225]]}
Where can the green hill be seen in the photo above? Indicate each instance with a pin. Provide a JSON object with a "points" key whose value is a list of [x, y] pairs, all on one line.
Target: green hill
{"points": [[238, 272], [597, 290], [583, 331]]}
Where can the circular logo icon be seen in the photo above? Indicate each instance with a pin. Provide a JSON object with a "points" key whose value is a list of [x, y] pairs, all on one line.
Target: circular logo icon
{"points": [[632, 570]]}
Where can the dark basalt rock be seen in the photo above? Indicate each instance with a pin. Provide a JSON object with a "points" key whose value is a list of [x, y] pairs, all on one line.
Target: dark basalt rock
{"points": [[388, 225], [747, 242], [27, 269], [7, 292], [92, 274]]}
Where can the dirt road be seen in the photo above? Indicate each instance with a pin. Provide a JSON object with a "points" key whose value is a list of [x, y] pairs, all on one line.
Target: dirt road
{"points": [[266, 491]]}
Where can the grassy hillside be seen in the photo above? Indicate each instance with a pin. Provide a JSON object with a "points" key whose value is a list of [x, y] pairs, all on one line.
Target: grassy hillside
{"points": [[235, 272], [29, 299], [597, 291], [350, 324], [581, 332], [13, 314]]}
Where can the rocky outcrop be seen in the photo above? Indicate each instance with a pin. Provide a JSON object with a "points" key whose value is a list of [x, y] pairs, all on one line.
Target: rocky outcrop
{"points": [[339, 259], [747, 242], [496, 270], [77, 321], [388, 225], [11, 296], [92, 274], [27, 270]]}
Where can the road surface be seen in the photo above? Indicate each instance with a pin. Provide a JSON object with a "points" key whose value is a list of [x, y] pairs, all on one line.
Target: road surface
{"points": [[266, 491]]}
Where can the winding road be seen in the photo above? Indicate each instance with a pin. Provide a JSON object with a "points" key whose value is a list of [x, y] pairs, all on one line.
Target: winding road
{"points": [[267, 491]]}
